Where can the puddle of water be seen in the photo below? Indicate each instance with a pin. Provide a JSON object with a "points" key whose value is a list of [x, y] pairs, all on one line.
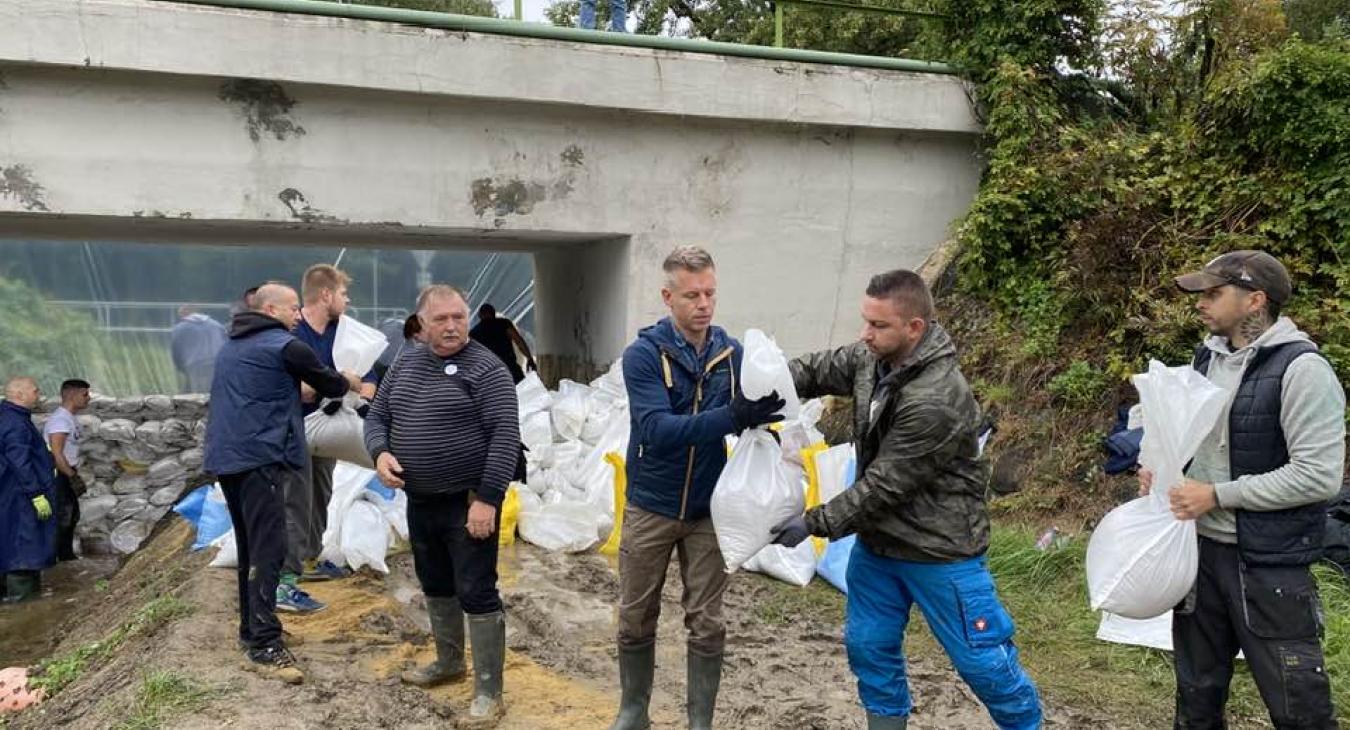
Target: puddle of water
{"points": [[30, 629]]}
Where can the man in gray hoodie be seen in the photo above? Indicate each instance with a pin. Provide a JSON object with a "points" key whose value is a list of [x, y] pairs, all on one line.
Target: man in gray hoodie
{"points": [[1257, 489]]}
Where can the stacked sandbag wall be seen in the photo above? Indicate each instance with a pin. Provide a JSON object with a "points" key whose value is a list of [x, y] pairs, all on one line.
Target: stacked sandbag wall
{"points": [[138, 456]]}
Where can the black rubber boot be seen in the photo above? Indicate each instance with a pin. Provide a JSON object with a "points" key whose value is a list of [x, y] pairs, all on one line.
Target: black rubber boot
{"points": [[704, 677], [884, 722], [447, 628], [22, 584], [637, 665], [487, 632]]}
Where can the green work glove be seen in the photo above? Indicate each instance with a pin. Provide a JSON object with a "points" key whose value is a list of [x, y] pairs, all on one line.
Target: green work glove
{"points": [[43, 507]]}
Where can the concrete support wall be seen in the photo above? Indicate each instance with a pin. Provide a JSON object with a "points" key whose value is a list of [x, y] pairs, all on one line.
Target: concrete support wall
{"points": [[146, 120]]}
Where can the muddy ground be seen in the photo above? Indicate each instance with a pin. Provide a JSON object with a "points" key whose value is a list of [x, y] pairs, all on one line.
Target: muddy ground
{"points": [[785, 667]]}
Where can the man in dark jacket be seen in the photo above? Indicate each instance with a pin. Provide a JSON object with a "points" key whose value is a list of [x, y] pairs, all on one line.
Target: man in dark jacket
{"points": [[500, 335], [27, 478], [255, 441], [918, 509], [1257, 488], [194, 343], [682, 400]]}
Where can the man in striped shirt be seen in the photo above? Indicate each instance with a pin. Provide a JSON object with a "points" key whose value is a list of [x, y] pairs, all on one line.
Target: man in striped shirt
{"points": [[444, 428]]}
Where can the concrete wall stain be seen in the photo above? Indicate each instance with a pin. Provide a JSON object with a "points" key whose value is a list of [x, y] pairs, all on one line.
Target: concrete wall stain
{"points": [[266, 107], [301, 210], [573, 156], [505, 196], [16, 181]]}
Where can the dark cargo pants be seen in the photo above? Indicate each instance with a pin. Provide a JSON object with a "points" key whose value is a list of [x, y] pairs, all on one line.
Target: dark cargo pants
{"points": [[644, 555], [1271, 613]]}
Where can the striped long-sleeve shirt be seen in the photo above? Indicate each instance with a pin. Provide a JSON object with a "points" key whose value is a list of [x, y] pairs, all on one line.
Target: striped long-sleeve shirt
{"points": [[451, 422]]}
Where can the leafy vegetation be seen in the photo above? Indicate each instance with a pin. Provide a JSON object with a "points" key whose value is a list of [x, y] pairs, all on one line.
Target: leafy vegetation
{"points": [[163, 695]]}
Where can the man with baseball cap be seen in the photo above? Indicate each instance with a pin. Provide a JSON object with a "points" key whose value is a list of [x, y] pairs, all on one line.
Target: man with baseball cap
{"points": [[1257, 489]]}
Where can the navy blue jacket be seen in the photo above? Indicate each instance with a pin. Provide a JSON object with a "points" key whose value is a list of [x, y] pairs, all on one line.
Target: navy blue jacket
{"points": [[679, 405], [255, 417], [26, 471]]}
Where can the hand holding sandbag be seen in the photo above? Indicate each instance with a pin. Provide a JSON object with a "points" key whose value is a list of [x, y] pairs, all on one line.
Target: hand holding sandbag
{"points": [[791, 532], [748, 413]]}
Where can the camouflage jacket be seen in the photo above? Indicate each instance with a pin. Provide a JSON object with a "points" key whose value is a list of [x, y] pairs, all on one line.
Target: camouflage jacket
{"points": [[920, 494]]}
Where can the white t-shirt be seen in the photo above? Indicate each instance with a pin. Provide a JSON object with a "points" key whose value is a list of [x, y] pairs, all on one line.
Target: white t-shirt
{"points": [[63, 421]]}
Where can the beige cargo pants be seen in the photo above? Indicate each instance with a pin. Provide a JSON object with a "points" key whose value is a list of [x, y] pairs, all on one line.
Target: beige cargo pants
{"points": [[644, 556]]}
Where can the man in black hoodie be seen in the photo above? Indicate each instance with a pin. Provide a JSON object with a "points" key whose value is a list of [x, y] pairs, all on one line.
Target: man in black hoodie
{"points": [[255, 437]]}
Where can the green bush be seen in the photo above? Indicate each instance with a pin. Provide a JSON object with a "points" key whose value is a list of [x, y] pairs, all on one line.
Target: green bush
{"points": [[1081, 384]]}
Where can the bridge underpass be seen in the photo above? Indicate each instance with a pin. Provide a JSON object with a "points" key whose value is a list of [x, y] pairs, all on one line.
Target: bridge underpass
{"points": [[156, 121]]}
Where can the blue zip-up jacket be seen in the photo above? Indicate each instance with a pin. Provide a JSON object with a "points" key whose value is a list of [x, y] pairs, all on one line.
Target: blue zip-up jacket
{"points": [[679, 404], [26, 471]]}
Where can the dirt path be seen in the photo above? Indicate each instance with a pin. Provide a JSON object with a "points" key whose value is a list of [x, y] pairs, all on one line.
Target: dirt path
{"points": [[788, 673]]}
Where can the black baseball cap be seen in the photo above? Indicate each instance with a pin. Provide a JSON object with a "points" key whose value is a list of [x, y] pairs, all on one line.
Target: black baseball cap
{"points": [[1251, 270]]}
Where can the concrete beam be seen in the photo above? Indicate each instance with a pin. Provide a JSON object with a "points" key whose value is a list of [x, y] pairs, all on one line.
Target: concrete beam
{"points": [[159, 37]]}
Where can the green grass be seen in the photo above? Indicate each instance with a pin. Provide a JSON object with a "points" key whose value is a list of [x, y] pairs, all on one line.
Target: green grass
{"points": [[1046, 593], [56, 674], [164, 694]]}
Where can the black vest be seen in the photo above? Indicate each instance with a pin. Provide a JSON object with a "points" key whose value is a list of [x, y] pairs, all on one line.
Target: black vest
{"points": [[1256, 445]]}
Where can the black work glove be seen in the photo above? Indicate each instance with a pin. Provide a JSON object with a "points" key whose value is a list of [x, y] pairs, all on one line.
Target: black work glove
{"points": [[791, 532], [332, 407], [750, 413], [362, 410]]}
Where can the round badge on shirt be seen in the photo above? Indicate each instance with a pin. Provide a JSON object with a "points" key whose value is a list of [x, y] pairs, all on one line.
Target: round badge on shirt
{"points": [[451, 369]]}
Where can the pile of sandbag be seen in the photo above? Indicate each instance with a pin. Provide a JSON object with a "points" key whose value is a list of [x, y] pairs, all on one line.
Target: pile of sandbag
{"points": [[567, 500], [138, 455]]}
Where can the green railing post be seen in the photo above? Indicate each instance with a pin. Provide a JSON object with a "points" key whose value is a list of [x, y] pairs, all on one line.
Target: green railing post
{"points": [[519, 14], [778, 25]]}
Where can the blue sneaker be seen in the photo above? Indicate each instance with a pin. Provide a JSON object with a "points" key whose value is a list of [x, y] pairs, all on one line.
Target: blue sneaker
{"points": [[325, 570], [294, 600]]}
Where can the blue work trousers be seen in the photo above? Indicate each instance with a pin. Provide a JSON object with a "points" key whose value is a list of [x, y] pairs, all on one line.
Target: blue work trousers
{"points": [[962, 609], [618, 13]]}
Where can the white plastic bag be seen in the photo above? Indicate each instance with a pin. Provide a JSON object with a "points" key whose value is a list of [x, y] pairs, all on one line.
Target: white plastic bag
{"points": [[532, 396], [795, 565], [228, 554], [341, 436], [562, 527], [764, 370], [753, 495], [349, 483], [569, 409], [356, 346], [1141, 560], [536, 431], [365, 536]]}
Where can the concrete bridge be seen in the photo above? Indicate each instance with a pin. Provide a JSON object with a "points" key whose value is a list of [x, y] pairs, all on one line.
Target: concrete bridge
{"points": [[140, 120]]}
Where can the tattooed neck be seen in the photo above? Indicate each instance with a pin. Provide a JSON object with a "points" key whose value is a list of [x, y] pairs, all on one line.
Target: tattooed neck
{"points": [[1249, 329]]}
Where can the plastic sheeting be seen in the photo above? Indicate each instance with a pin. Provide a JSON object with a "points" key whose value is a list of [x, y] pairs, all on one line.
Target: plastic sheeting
{"points": [[105, 311]]}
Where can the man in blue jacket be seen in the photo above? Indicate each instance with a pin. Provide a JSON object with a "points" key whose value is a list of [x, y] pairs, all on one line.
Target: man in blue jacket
{"points": [[683, 400], [27, 477], [255, 441]]}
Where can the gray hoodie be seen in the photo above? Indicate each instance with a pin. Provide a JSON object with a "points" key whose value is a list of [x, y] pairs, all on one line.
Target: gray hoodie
{"points": [[1312, 414]]}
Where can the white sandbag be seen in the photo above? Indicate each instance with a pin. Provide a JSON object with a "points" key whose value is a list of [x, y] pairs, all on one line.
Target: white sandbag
{"points": [[356, 346], [349, 483], [365, 536], [764, 370], [531, 396], [562, 527], [794, 565], [536, 430], [396, 512], [340, 436], [118, 429], [834, 470], [569, 409], [1141, 560], [1155, 633], [597, 421], [753, 495], [228, 554]]}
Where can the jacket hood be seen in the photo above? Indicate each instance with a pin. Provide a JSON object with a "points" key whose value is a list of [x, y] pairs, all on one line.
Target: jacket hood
{"points": [[250, 323], [1282, 332], [935, 345], [664, 335]]}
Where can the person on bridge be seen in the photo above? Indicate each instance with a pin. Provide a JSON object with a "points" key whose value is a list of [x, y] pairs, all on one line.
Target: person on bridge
{"points": [[1257, 489], [618, 15], [193, 345], [445, 428], [500, 335], [255, 442], [63, 436], [27, 530], [324, 288], [918, 509], [680, 374]]}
